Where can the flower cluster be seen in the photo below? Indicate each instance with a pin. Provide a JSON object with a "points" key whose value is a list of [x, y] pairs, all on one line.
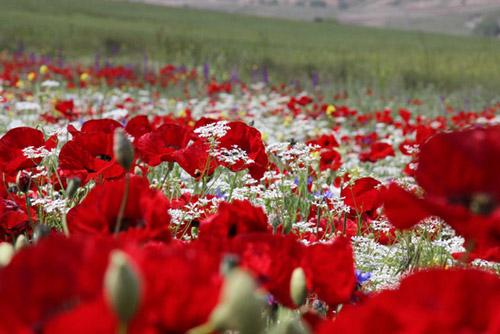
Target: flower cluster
{"points": [[216, 206]]}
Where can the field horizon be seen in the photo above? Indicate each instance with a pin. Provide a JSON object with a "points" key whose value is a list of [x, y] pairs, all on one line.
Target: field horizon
{"points": [[288, 50]]}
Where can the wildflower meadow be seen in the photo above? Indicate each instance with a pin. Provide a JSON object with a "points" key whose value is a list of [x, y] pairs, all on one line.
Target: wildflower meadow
{"points": [[168, 199]]}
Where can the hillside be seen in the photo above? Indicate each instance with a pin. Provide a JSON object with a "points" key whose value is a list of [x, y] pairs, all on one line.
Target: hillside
{"points": [[457, 17], [338, 54]]}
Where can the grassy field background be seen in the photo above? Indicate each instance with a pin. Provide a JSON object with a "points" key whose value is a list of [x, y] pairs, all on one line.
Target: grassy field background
{"points": [[289, 49]]}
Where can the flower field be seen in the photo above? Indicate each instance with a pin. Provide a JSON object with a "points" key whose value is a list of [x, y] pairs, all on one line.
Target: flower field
{"points": [[170, 200]]}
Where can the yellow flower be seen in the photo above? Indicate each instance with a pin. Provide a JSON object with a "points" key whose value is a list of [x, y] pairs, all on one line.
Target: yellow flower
{"points": [[43, 69], [330, 110], [182, 113], [31, 76], [20, 84], [264, 136], [84, 76]]}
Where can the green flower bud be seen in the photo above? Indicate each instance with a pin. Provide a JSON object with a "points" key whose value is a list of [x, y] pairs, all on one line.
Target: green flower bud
{"points": [[298, 289], [289, 326], [123, 149], [73, 185], [228, 263], [122, 286], [6, 253], [41, 231], [194, 231], [21, 242], [241, 306]]}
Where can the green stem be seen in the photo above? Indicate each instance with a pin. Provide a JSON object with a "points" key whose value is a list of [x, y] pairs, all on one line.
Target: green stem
{"points": [[28, 205], [164, 178], [7, 188], [123, 205], [122, 328], [64, 220]]}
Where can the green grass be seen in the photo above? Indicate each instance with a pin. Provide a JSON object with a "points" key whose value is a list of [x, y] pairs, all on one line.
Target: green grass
{"points": [[290, 49]]}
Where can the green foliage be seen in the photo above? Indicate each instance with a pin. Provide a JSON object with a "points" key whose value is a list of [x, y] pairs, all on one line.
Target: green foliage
{"points": [[488, 27], [339, 54], [318, 3]]}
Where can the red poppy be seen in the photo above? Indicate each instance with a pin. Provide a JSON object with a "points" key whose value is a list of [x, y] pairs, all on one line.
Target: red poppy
{"points": [[173, 280], [436, 301], [272, 259], [48, 278], [12, 158], [458, 173], [364, 196], [138, 126], [330, 160], [231, 219], [377, 151], [195, 160], [104, 125], [56, 286], [14, 218], [90, 156], [325, 141], [248, 139], [329, 270], [145, 217], [183, 286], [158, 145], [65, 108]]}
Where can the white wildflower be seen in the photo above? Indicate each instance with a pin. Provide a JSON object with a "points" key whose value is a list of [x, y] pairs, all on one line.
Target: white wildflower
{"points": [[213, 130]]}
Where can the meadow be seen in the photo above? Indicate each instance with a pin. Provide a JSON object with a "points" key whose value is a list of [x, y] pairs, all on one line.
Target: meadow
{"points": [[340, 55], [152, 189]]}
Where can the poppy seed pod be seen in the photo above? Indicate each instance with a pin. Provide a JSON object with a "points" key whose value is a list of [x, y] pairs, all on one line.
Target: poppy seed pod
{"points": [[298, 290], [289, 326], [122, 286], [123, 149], [23, 181], [241, 305]]}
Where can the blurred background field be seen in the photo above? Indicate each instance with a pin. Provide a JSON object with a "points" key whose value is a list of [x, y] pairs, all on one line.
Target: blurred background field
{"points": [[339, 55]]}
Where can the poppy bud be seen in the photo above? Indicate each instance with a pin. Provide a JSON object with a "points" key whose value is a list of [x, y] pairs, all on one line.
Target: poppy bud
{"points": [[122, 286], [6, 253], [275, 221], [229, 262], [23, 181], [123, 149], [194, 231], [289, 326], [21, 242], [241, 305], [41, 231], [298, 290], [73, 185]]}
